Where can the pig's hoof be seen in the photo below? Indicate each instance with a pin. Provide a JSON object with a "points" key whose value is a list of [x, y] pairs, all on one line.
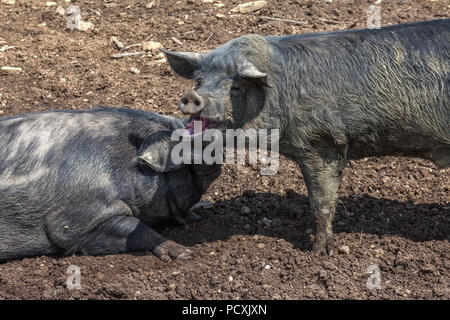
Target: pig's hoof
{"points": [[170, 250], [192, 217], [323, 245]]}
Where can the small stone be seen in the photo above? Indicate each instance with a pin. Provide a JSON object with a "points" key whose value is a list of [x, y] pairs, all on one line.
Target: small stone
{"points": [[245, 210], [86, 26], [50, 4], [111, 4], [9, 1], [276, 222], [261, 245], [230, 278], [207, 1], [150, 4], [11, 70], [134, 70], [119, 45], [175, 273], [267, 267], [151, 45], [220, 16], [323, 274], [219, 4], [428, 268], [60, 10], [276, 296], [344, 249], [378, 252], [161, 61], [266, 221]]}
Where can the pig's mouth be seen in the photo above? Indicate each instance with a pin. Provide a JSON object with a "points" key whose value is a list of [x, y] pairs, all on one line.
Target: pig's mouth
{"points": [[198, 125]]}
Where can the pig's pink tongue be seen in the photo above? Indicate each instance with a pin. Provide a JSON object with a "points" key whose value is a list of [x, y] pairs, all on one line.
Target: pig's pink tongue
{"points": [[190, 126], [204, 124]]}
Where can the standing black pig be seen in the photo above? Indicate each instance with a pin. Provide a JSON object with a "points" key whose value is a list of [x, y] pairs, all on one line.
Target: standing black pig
{"points": [[92, 182], [334, 96]]}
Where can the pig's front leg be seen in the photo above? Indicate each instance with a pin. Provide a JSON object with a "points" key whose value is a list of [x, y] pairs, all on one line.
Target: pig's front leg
{"points": [[128, 234], [144, 238], [322, 172]]}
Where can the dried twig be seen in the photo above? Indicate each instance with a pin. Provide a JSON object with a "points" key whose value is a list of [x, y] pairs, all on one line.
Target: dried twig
{"points": [[6, 47], [132, 46], [208, 37], [176, 41], [328, 21], [283, 20], [121, 55]]}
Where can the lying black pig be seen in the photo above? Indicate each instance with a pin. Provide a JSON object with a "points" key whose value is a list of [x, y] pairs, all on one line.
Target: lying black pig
{"points": [[93, 182]]}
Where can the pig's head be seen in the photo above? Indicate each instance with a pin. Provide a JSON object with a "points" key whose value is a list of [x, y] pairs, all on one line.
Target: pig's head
{"points": [[233, 85], [155, 151]]}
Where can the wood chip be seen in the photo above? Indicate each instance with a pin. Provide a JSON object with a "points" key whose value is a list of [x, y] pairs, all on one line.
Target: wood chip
{"points": [[249, 7], [11, 70]]}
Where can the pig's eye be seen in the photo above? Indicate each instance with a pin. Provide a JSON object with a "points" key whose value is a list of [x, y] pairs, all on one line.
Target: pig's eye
{"points": [[235, 91], [198, 83]]}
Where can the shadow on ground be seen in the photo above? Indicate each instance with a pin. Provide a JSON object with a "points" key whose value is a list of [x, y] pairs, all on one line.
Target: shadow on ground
{"points": [[288, 218]]}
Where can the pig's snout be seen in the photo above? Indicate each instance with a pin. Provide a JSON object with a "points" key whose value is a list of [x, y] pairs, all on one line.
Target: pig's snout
{"points": [[191, 103]]}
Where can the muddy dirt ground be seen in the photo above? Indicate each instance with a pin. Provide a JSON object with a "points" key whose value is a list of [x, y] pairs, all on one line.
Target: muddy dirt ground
{"points": [[254, 243]]}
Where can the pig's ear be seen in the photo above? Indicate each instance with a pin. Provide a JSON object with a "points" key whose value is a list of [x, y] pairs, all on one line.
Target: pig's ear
{"points": [[248, 70], [155, 151], [184, 63]]}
